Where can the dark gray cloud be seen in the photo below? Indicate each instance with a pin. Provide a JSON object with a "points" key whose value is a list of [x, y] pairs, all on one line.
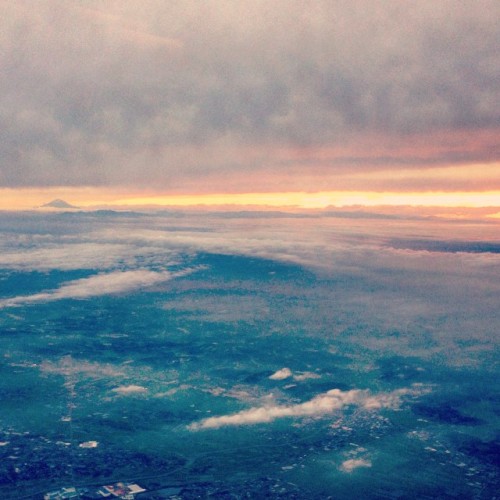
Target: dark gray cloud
{"points": [[174, 92]]}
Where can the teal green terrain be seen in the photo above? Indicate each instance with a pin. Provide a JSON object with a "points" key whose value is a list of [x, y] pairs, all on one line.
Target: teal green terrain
{"points": [[249, 355]]}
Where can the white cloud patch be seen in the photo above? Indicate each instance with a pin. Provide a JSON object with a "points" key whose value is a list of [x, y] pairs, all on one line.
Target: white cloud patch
{"points": [[100, 284], [354, 463], [323, 404], [125, 390], [285, 373], [282, 374]]}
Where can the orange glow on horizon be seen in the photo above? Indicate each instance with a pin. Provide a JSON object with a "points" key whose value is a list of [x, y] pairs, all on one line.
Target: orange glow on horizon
{"points": [[323, 199], [26, 199]]}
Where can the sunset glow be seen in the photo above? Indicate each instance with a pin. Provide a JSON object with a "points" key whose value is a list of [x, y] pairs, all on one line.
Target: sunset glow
{"points": [[324, 199], [27, 199]]}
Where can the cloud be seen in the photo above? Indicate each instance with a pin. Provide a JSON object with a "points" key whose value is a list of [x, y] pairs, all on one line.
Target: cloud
{"points": [[446, 246], [67, 256], [299, 377], [349, 257], [282, 374], [323, 404], [70, 367], [125, 390], [354, 463], [45, 242], [285, 373], [100, 284], [187, 94], [145, 243]]}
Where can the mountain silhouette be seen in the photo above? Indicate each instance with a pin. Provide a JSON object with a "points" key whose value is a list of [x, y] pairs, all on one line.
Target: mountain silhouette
{"points": [[57, 203]]}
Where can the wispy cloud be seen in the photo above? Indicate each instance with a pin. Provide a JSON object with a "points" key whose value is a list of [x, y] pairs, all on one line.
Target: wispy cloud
{"points": [[65, 256], [323, 404], [100, 284], [70, 367]]}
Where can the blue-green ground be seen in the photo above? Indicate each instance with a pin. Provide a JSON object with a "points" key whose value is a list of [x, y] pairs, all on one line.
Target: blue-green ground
{"points": [[199, 350]]}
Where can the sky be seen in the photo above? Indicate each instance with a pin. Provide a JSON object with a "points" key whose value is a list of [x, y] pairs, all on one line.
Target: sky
{"points": [[264, 102]]}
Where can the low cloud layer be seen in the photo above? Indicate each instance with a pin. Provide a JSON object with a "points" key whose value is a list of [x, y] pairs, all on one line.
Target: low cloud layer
{"points": [[190, 96], [54, 255], [100, 284], [323, 404]]}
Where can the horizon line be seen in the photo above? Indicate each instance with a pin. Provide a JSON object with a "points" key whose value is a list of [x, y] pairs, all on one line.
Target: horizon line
{"points": [[86, 197]]}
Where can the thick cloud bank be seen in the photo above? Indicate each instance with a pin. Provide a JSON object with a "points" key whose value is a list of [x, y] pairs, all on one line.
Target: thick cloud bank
{"points": [[191, 94]]}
